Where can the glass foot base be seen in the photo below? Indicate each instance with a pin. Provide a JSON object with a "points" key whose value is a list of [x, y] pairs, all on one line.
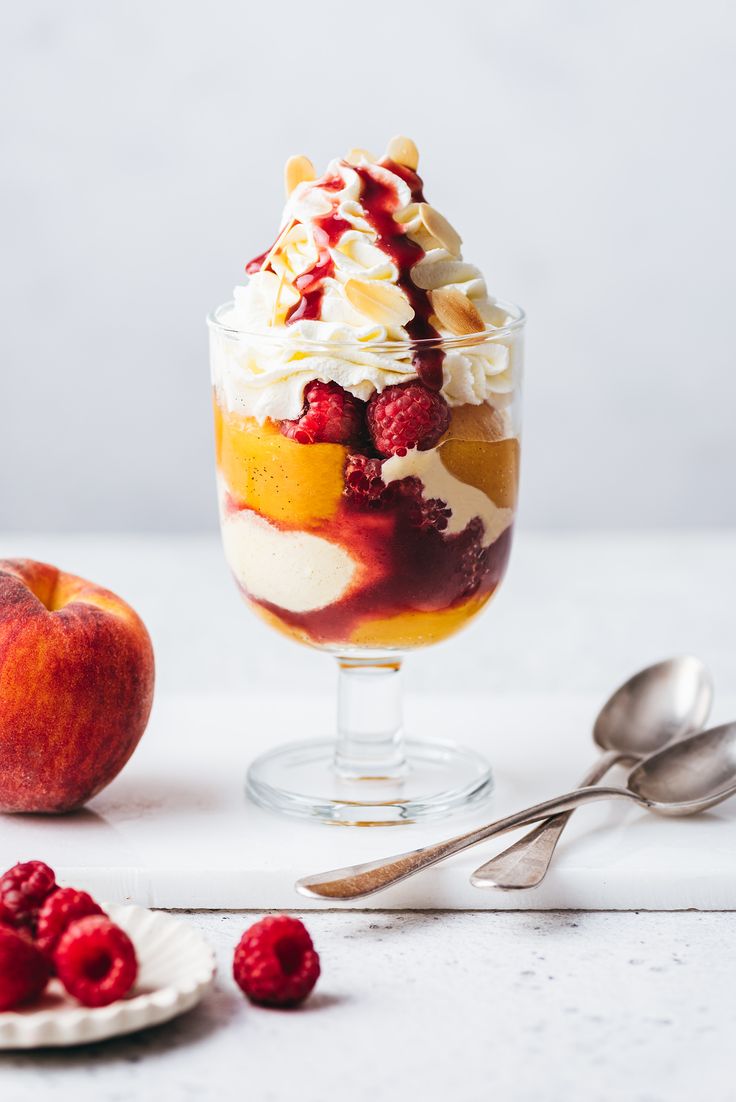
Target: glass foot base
{"points": [[300, 779]]}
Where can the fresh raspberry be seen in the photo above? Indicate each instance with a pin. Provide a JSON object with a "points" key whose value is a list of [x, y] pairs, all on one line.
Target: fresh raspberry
{"points": [[59, 910], [407, 416], [22, 891], [330, 416], [474, 557], [275, 962], [429, 513], [96, 961], [363, 479], [424, 513], [24, 969]]}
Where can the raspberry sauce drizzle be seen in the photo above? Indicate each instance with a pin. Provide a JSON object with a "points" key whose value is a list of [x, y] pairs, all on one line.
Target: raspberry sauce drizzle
{"points": [[379, 201], [327, 232], [256, 264]]}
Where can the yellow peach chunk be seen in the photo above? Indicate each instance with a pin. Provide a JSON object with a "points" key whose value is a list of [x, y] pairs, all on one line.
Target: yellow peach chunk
{"points": [[298, 484], [417, 629], [490, 466]]}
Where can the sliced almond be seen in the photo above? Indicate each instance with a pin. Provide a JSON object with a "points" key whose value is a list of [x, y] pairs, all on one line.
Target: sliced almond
{"points": [[404, 152], [437, 225], [355, 156], [455, 311], [383, 303], [298, 169], [430, 274]]}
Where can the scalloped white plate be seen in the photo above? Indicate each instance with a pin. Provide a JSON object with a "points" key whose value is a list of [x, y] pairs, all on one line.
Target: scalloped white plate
{"points": [[176, 968]]}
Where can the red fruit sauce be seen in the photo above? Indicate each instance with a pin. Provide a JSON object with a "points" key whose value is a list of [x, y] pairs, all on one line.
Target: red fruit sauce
{"points": [[403, 567]]}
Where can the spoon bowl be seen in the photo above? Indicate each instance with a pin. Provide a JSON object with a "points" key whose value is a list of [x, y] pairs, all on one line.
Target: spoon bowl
{"points": [[657, 706], [689, 776]]}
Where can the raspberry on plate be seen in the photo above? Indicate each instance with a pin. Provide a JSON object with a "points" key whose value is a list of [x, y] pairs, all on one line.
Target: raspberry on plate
{"points": [[406, 416], [59, 910], [96, 961], [24, 969], [22, 891], [275, 962], [331, 416]]}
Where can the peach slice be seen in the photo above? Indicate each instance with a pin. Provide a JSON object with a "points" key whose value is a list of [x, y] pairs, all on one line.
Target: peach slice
{"points": [[295, 484], [490, 466]]}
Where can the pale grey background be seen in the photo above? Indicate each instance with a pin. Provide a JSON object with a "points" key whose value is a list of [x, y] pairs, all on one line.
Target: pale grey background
{"points": [[585, 150]]}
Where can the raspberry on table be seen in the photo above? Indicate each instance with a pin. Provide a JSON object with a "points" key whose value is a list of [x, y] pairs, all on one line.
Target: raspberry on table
{"points": [[406, 416], [275, 962], [24, 969], [22, 891], [331, 416], [96, 961], [59, 910]]}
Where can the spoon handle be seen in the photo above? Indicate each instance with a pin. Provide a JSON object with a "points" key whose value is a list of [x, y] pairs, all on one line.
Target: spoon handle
{"points": [[525, 863], [357, 881]]}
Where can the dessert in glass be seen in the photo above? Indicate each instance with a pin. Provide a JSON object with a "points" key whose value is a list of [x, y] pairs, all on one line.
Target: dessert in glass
{"points": [[366, 399]]}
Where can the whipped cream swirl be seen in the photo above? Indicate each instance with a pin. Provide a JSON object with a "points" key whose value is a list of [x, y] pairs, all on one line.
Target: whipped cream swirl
{"points": [[324, 299]]}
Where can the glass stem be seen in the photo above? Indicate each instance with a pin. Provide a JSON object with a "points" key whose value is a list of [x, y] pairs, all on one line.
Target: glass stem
{"points": [[370, 739]]}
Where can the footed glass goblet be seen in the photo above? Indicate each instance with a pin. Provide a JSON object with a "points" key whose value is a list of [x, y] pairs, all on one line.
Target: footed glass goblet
{"points": [[367, 557]]}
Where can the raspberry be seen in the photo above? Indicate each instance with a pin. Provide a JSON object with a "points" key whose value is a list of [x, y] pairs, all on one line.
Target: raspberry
{"points": [[429, 513], [407, 416], [22, 891], [275, 962], [24, 970], [424, 513], [363, 479], [96, 961], [60, 909], [330, 416], [474, 557]]}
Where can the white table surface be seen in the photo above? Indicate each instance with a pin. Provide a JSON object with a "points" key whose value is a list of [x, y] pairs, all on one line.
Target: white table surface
{"points": [[527, 1005]]}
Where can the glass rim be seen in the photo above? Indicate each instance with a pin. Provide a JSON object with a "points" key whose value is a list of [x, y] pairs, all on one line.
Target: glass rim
{"points": [[516, 314]]}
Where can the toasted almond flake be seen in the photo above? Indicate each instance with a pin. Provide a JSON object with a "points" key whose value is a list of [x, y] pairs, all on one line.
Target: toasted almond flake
{"points": [[404, 152], [455, 311], [383, 303], [437, 225], [430, 274], [298, 169], [355, 156]]}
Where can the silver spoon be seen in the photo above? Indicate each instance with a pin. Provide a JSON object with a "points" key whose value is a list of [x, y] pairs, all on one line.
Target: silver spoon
{"points": [[682, 779], [654, 708]]}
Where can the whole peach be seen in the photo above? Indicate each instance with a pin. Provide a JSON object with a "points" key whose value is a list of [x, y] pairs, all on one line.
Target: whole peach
{"points": [[76, 687]]}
